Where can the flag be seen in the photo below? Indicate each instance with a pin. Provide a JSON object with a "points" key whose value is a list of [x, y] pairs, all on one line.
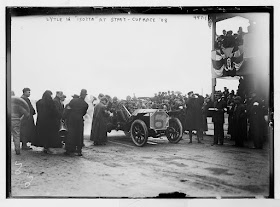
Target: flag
{"points": [[226, 61]]}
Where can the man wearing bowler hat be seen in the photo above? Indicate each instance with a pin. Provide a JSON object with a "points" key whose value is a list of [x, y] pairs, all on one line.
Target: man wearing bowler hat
{"points": [[77, 108]]}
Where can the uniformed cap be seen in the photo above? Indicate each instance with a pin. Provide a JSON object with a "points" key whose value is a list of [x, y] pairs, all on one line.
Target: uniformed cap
{"points": [[25, 90]]}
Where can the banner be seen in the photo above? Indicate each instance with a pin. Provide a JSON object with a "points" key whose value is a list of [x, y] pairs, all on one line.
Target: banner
{"points": [[226, 61]]}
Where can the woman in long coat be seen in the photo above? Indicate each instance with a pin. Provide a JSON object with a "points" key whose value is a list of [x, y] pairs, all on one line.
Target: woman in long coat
{"points": [[99, 123], [46, 128]]}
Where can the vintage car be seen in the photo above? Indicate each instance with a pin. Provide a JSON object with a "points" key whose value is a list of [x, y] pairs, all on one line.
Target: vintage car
{"points": [[144, 123]]}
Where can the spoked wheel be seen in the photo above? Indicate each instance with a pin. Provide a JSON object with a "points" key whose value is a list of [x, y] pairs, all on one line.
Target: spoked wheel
{"points": [[174, 132], [139, 133]]}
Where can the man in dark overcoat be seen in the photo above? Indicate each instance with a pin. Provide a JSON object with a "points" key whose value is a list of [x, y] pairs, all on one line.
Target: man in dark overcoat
{"points": [[218, 118], [256, 120], [194, 120], [239, 122], [76, 110], [59, 108], [99, 123], [27, 126]]}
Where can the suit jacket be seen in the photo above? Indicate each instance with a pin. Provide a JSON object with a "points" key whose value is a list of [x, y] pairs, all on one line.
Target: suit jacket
{"points": [[218, 115]]}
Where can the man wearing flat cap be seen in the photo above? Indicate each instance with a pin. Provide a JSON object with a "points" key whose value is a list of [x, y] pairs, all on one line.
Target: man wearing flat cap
{"points": [[77, 108], [27, 127]]}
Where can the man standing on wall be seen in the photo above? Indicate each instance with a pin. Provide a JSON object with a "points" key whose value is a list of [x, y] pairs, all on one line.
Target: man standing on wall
{"points": [[27, 127]]}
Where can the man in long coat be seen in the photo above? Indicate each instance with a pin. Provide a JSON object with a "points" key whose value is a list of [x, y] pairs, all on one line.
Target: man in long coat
{"points": [[27, 128], [218, 118], [256, 120], [194, 120], [77, 108], [99, 123], [239, 122]]}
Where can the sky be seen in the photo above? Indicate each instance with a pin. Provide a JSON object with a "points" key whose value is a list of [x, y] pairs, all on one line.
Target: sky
{"points": [[118, 55]]}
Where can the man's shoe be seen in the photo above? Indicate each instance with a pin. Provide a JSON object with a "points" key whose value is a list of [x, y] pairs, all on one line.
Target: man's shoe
{"points": [[79, 154], [17, 152]]}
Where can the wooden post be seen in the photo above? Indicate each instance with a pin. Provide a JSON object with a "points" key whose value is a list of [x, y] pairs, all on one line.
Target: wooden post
{"points": [[213, 47]]}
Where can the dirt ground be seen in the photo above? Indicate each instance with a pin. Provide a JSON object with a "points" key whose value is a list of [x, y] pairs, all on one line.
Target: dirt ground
{"points": [[120, 169]]}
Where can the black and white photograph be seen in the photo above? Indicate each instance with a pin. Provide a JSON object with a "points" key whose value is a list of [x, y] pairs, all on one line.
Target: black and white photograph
{"points": [[140, 102]]}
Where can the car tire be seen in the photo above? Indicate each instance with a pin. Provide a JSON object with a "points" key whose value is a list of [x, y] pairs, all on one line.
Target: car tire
{"points": [[139, 133]]}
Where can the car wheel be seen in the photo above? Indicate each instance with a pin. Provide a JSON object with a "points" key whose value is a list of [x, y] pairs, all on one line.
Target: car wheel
{"points": [[174, 132], [139, 133]]}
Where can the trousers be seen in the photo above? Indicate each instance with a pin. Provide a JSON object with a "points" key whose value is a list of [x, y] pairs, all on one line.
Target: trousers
{"points": [[15, 130], [218, 132]]}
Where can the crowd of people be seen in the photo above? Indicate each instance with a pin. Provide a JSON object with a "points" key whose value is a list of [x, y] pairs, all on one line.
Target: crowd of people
{"points": [[193, 111], [229, 39]]}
